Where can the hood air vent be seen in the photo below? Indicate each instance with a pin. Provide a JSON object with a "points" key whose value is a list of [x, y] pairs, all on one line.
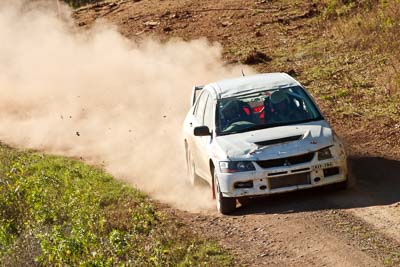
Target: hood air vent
{"points": [[279, 140]]}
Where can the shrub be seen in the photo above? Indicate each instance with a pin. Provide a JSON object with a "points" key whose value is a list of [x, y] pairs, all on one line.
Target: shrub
{"points": [[57, 211]]}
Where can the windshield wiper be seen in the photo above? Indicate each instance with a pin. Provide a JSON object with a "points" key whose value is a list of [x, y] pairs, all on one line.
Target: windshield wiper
{"points": [[255, 127], [251, 128], [265, 126], [271, 125]]}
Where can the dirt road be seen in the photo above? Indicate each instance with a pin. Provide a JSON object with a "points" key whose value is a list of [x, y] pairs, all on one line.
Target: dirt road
{"points": [[357, 227]]}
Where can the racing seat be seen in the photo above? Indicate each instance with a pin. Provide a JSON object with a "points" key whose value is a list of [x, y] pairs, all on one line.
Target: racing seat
{"points": [[246, 112]]}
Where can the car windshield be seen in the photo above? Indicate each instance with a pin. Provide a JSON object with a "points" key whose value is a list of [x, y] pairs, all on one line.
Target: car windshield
{"points": [[264, 109]]}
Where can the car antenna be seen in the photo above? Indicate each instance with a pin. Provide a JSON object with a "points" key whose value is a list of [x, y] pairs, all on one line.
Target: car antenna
{"points": [[243, 73], [58, 9]]}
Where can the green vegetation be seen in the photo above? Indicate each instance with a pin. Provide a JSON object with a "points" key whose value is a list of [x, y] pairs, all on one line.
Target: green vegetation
{"points": [[57, 211], [78, 3], [337, 8], [353, 64], [363, 58], [349, 58]]}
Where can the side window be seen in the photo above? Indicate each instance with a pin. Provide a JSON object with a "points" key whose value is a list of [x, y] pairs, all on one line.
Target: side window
{"points": [[201, 105], [209, 113]]}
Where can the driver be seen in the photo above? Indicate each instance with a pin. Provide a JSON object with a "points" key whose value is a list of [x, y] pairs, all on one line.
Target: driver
{"points": [[230, 113], [281, 109]]}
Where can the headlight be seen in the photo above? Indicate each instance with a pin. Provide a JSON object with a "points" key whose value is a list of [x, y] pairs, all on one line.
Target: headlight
{"points": [[324, 154], [236, 166]]}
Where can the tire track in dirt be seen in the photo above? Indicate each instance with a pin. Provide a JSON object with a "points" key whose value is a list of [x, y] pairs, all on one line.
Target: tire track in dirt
{"points": [[359, 227], [319, 227], [293, 239]]}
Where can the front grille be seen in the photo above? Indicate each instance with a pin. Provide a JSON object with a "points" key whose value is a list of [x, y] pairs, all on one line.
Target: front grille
{"points": [[286, 161], [289, 180], [279, 140]]}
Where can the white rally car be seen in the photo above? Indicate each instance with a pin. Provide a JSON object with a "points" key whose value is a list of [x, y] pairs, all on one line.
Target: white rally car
{"points": [[259, 135]]}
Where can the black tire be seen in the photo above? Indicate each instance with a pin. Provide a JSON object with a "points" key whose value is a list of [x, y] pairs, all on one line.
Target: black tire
{"points": [[194, 179], [245, 201], [342, 185], [347, 184], [351, 180], [225, 205]]}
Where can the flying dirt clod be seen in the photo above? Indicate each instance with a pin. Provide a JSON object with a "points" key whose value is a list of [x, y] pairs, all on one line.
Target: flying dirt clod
{"points": [[45, 62]]}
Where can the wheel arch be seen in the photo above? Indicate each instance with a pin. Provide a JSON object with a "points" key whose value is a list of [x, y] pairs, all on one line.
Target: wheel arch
{"points": [[186, 151], [212, 170]]}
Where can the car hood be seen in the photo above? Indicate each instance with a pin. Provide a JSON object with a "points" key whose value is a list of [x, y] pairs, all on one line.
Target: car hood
{"points": [[276, 142]]}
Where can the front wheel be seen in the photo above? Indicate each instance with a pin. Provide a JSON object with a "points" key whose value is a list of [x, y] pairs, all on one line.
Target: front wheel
{"points": [[349, 183], [342, 185], [225, 205]]}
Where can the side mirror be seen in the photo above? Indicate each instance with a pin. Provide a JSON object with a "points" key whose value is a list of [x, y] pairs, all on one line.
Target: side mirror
{"points": [[201, 131]]}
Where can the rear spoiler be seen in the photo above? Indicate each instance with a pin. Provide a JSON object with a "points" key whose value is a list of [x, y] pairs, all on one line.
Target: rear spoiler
{"points": [[195, 92]]}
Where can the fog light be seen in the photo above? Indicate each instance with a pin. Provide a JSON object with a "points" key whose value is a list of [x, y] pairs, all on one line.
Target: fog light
{"points": [[247, 184], [331, 171]]}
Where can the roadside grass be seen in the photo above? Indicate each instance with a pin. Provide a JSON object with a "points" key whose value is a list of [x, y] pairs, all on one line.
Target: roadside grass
{"points": [[353, 66], [79, 3], [337, 8], [371, 48], [58, 211]]}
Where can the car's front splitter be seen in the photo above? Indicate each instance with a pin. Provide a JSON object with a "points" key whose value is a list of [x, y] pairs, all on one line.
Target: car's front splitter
{"points": [[283, 179]]}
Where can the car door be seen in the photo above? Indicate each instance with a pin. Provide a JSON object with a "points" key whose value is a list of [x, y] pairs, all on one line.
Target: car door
{"points": [[205, 141], [196, 142]]}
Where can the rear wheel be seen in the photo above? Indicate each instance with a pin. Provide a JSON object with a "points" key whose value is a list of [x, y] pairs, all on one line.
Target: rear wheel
{"points": [[194, 179], [225, 205]]}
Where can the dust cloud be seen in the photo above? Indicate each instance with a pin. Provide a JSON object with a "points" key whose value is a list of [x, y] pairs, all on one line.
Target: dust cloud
{"points": [[96, 95]]}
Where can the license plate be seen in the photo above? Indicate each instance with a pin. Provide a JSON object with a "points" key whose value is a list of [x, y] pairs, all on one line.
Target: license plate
{"points": [[322, 166]]}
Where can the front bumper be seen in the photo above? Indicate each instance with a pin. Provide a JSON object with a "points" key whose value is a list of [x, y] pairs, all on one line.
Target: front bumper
{"points": [[267, 181]]}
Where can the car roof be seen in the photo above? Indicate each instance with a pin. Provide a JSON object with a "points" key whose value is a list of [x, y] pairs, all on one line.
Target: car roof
{"points": [[251, 84]]}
